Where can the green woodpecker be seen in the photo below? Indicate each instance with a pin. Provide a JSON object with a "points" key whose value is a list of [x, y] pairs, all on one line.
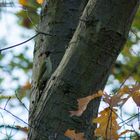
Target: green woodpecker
{"points": [[44, 70]]}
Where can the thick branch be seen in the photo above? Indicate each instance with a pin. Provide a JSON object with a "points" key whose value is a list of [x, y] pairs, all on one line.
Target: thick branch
{"points": [[84, 69], [59, 19]]}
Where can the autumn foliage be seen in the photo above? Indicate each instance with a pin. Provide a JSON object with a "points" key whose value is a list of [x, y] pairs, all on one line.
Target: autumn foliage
{"points": [[108, 126], [25, 2]]}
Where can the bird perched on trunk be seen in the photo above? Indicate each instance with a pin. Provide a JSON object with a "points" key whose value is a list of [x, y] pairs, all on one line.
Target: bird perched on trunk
{"points": [[45, 70]]}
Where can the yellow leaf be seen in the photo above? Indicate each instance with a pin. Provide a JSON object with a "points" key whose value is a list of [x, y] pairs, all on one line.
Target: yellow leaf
{"points": [[23, 2], [83, 102], [74, 136], [40, 1], [108, 125]]}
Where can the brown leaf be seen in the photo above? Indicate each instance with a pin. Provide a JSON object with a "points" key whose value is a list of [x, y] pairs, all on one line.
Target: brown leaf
{"points": [[24, 90], [83, 102], [24, 129], [74, 136], [26, 86], [119, 98]]}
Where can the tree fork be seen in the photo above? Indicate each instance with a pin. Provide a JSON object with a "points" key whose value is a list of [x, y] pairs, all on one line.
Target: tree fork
{"points": [[83, 70]]}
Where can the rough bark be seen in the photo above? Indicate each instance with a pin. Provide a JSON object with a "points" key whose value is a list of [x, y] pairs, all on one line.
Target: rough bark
{"points": [[60, 20], [100, 36]]}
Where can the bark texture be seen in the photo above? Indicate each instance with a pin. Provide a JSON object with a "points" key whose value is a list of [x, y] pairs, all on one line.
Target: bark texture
{"points": [[100, 36], [60, 20]]}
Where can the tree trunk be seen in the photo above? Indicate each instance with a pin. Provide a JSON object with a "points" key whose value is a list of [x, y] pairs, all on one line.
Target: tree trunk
{"points": [[99, 37], [60, 20]]}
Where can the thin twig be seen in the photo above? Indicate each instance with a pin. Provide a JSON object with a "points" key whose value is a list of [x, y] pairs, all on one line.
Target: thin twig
{"points": [[129, 119], [23, 121], [8, 126], [13, 46], [7, 102], [135, 66], [108, 124], [46, 34], [15, 116], [22, 103]]}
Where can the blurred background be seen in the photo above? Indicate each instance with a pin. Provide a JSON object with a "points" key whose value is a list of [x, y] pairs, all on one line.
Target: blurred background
{"points": [[18, 21]]}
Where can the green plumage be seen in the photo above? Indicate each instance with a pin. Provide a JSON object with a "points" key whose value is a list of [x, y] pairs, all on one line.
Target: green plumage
{"points": [[44, 71]]}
